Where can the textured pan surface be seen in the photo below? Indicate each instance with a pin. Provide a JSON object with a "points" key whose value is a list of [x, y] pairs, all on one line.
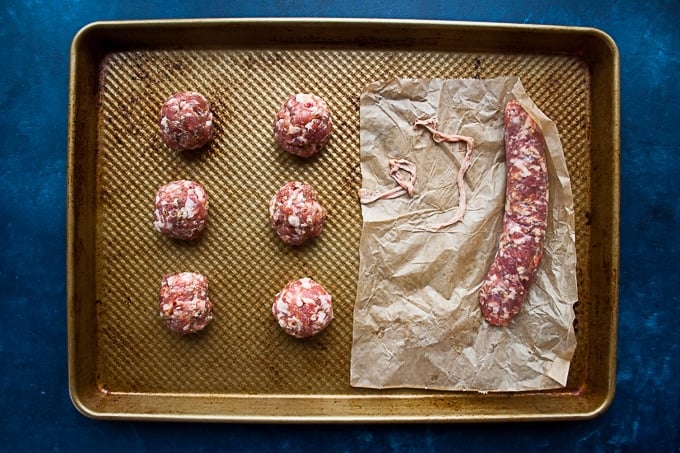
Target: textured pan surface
{"points": [[243, 351]]}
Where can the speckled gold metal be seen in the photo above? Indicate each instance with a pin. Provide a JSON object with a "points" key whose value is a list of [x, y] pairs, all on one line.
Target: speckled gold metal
{"points": [[124, 363]]}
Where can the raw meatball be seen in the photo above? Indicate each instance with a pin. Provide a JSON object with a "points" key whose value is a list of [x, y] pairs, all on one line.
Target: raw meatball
{"points": [[184, 303], [303, 125], [303, 308], [186, 121], [181, 210], [295, 214]]}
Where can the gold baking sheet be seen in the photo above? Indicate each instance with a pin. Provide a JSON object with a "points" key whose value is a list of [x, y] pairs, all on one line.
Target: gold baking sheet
{"points": [[124, 363]]}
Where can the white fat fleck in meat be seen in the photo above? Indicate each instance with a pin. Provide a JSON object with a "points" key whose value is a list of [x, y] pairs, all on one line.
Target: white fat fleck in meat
{"points": [[294, 220], [521, 165], [282, 306], [307, 300], [302, 97], [189, 207], [514, 228]]}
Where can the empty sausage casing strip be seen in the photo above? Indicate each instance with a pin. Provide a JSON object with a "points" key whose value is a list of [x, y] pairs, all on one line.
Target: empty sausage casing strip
{"points": [[404, 186], [431, 125]]}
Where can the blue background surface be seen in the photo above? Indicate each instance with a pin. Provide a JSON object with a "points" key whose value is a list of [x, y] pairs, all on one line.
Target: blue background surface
{"points": [[37, 414]]}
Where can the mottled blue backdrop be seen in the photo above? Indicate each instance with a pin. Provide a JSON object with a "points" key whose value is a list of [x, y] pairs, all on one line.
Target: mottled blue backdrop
{"points": [[37, 414]]}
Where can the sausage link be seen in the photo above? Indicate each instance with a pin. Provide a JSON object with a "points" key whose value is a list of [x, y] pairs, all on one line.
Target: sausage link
{"points": [[525, 220]]}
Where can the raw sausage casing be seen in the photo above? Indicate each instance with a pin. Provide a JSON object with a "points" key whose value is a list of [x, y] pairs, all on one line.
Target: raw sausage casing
{"points": [[520, 247]]}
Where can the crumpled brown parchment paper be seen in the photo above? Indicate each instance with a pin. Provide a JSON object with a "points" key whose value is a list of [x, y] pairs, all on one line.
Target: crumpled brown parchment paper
{"points": [[417, 321]]}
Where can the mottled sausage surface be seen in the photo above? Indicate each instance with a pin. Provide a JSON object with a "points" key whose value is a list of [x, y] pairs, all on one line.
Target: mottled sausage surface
{"points": [[303, 308], [295, 213], [520, 247], [181, 210], [303, 125], [184, 304], [186, 121]]}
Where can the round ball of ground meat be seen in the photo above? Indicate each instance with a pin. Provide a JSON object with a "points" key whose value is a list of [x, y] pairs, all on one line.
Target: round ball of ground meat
{"points": [[303, 125], [186, 121], [303, 308], [184, 303], [295, 213], [181, 210]]}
